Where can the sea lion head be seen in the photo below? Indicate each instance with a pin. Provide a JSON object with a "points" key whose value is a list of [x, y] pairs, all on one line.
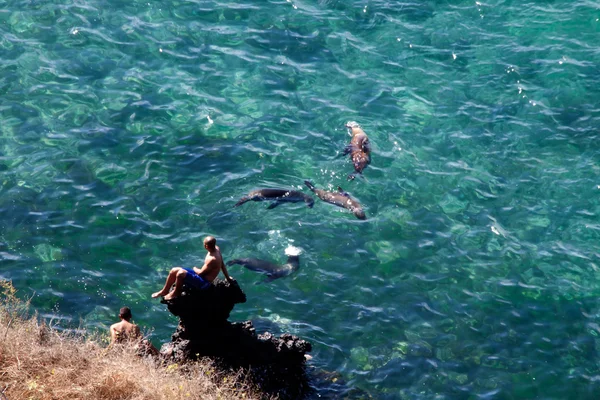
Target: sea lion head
{"points": [[352, 125], [359, 213]]}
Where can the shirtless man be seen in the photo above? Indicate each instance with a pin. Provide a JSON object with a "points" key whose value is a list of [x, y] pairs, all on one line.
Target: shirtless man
{"points": [[124, 330], [200, 278]]}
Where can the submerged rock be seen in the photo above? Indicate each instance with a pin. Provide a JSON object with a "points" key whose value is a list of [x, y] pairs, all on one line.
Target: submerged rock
{"points": [[48, 253], [275, 364]]}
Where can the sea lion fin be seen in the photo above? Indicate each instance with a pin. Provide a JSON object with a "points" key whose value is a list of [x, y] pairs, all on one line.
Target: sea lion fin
{"points": [[341, 191], [310, 185], [347, 149], [242, 201], [273, 205], [366, 146]]}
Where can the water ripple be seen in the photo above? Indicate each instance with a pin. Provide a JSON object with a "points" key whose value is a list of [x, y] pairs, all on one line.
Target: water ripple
{"points": [[129, 131]]}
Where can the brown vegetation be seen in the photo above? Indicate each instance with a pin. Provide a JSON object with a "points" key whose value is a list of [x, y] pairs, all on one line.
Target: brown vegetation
{"points": [[38, 362]]}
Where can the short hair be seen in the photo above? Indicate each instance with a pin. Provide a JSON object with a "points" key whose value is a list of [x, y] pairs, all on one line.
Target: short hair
{"points": [[125, 313], [210, 241]]}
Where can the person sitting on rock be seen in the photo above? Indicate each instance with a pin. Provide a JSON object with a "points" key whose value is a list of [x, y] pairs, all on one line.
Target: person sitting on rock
{"points": [[199, 278], [128, 332]]}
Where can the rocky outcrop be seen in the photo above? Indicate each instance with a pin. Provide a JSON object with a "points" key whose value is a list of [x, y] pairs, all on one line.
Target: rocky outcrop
{"points": [[276, 364]]}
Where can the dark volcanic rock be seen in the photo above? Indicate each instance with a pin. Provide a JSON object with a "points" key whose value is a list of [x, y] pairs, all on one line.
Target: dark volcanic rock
{"points": [[206, 308], [274, 363]]}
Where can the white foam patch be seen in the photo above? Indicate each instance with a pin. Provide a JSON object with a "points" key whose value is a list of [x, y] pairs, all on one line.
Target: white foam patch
{"points": [[292, 251]]}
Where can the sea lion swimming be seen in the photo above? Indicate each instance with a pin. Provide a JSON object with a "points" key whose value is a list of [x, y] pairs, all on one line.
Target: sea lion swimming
{"points": [[278, 196], [273, 271], [359, 148], [340, 199]]}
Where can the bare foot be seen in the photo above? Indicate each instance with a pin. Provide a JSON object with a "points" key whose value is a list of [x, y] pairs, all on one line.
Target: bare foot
{"points": [[170, 296], [158, 294]]}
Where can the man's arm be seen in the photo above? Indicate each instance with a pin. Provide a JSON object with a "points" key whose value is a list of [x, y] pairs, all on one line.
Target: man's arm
{"points": [[224, 269], [205, 267], [113, 333]]}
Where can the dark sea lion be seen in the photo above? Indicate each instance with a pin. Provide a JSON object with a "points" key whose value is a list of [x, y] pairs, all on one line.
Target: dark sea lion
{"points": [[340, 199], [359, 148], [278, 196], [273, 271]]}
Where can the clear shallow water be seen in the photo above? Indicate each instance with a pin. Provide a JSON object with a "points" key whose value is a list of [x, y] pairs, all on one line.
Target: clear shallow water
{"points": [[130, 129]]}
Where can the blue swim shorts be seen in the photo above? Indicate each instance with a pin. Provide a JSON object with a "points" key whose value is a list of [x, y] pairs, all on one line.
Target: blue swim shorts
{"points": [[195, 280]]}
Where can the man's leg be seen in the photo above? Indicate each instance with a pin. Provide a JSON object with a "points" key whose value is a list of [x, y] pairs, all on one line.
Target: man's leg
{"points": [[170, 280], [179, 278]]}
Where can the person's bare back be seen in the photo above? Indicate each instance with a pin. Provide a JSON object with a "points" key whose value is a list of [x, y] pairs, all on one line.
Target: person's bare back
{"points": [[213, 263], [124, 331]]}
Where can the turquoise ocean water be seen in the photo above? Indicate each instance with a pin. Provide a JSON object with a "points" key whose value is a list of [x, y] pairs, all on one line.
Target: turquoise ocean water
{"points": [[130, 129]]}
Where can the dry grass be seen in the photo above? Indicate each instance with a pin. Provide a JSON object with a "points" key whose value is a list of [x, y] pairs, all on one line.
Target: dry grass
{"points": [[40, 363]]}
